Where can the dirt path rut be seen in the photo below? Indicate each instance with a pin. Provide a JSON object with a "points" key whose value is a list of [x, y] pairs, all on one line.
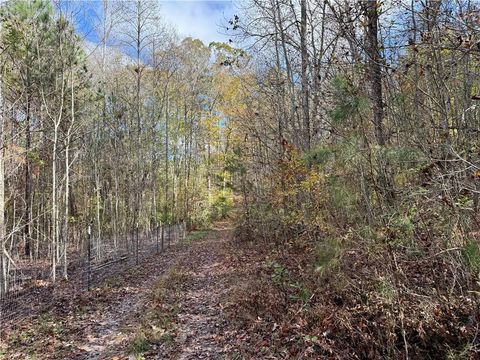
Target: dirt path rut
{"points": [[105, 323]]}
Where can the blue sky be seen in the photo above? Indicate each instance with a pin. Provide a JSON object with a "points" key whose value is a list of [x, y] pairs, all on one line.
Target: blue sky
{"points": [[202, 19]]}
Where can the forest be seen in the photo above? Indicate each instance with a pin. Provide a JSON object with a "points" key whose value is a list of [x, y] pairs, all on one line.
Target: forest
{"points": [[306, 188]]}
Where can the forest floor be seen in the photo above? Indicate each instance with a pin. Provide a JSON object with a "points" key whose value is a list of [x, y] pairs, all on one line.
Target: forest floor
{"points": [[177, 305]]}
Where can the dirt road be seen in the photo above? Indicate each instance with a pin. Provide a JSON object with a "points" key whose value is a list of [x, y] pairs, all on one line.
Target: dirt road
{"points": [[167, 308]]}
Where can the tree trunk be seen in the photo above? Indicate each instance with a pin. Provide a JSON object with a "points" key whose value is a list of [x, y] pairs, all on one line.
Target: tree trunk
{"points": [[2, 191], [28, 178], [374, 68], [54, 203], [67, 181], [165, 213], [304, 58]]}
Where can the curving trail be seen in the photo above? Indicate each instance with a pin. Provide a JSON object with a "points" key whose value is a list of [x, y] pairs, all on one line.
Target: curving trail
{"points": [[103, 323]]}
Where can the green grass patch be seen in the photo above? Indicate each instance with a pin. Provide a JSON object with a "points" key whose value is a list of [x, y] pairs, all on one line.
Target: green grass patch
{"points": [[196, 235], [140, 344], [471, 255]]}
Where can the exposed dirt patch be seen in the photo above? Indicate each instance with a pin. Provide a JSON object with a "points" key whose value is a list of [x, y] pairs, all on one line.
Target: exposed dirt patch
{"points": [[200, 328], [173, 306]]}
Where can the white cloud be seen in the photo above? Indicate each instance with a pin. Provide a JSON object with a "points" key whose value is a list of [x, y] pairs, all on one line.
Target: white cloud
{"points": [[200, 19]]}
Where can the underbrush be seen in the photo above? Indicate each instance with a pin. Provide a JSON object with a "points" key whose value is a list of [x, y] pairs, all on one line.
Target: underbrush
{"points": [[349, 275], [353, 297]]}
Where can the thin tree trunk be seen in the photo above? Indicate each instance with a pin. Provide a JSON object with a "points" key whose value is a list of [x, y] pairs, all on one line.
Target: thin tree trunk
{"points": [[67, 182], [288, 67], [3, 231], [166, 161], [185, 165], [97, 213], [28, 177], [304, 59], [54, 213], [54, 202], [374, 68]]}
